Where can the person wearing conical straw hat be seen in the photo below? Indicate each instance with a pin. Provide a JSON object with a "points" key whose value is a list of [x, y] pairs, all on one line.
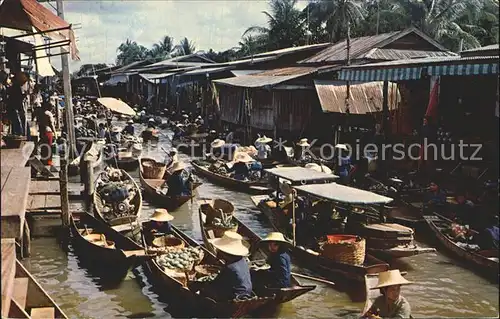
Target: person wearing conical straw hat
{"points": [[240, 166], [129, 128], [391, 304], [279, 275], [300, 150], [158, 224], [179, 180], [234, 280], [264, 150]]}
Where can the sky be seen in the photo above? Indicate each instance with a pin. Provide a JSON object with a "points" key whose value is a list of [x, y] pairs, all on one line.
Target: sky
{"points": [[101, 26]]}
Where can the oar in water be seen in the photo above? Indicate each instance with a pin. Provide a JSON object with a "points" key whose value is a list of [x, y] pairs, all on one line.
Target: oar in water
{"points": [[314, 278]]}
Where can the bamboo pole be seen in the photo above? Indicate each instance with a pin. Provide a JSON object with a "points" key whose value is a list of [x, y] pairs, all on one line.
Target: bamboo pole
{"points": [[63, 183], [293, 218], [313, 278]]}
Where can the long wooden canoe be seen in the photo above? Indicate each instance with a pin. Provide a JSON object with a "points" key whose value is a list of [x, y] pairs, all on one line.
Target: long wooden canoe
{"points": [[30, 300], [124, 222], [151, 191], [231, 183], [223, 309], [314, 261], [283, 294], [118, 254], [484, 262]]}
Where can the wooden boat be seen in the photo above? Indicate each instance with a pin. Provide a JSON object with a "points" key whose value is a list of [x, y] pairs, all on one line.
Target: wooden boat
{"points": [[94, 152], [152, 190], [485, 262], [100, 243], [123, 159], [124, 223], [29, 299], [282, 295], [153, 137], [231, 183], [312, 260], [223, 309]]}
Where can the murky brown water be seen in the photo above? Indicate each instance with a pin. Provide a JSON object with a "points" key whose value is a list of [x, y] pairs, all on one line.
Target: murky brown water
{"points": [[442, 288]]}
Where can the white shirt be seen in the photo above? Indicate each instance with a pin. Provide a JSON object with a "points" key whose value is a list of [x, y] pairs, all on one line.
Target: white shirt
{"points": [[263, 150]]}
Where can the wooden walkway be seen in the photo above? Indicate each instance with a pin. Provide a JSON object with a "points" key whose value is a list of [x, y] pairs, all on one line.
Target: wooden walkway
{"points": [[15, 186], [17, 157], [8, 273]]}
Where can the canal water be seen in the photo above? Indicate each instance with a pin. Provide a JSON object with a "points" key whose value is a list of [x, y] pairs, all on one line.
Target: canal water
{"points": [[442, 287]]}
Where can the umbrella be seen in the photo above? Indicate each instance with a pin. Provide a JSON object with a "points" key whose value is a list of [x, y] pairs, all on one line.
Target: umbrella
{"points": [[116, 105]]}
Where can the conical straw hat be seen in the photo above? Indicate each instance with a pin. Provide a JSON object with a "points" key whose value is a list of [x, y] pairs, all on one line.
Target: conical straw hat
{"points": [[264, 140], [231, 243], [161, 215], [391, 278], [243, 158], [217, 143], [303, 142], [275, 237], [177, 166]]}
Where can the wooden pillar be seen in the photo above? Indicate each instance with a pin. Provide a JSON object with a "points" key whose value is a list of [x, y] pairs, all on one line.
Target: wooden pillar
{"points": [[26, 241], [89, 184], [385, 108], [63, 180]]}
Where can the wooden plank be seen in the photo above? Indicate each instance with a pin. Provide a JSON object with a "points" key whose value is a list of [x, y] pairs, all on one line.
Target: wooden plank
{"points": [[45, 187], [43, 313], [36, 202], [8, 273], [53, 201], [14, 201], [5, 174], [17, 157], [40, 168], [21, 291]]}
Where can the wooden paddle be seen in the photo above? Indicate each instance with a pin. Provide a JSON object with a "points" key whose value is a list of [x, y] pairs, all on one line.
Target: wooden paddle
{"points": [[313, 278]]}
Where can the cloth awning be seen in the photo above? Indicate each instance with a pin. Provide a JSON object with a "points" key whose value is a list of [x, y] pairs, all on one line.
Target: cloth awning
{"points": [[43, 66], [392, 74], [463, 69], [345, 194], [26, 14], [301, 174]]}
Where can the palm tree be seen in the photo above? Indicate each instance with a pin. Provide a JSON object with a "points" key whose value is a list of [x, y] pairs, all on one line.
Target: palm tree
{"points": [[285, 25], [187, 46], [163, 48], [130, 51], [250, 45]]}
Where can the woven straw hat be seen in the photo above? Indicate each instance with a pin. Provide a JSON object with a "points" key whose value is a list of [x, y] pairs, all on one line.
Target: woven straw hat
{"points": [[161, 215], [116, 129], [231, 243], [263, 140], [303, 142], [177, 166], [217, 143], [243, 158], [275, 237], [391, 278], [341, 146]]}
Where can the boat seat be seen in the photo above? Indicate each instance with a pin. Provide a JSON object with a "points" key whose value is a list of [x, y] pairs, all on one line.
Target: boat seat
{"points": [[155, 183], [21, 291], [43, 313]]}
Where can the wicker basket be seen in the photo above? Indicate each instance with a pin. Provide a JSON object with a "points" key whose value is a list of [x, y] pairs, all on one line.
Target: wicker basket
{"points": [[168, 242], [153, 170], [219, 231], [348, 249], [206, 270], [100, 240], [213, 209], [14, 141]]}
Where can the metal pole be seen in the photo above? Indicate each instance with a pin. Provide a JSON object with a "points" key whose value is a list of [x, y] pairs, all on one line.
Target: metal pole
{"points": [[293, 219], [67, 92]]}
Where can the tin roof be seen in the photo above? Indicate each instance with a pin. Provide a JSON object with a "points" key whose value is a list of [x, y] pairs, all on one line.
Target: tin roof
{"points": [[345, 194], [485, 48], [482, 51], [244, 72], [362, 46], [422, 61], [395, 54], [365, 97], [206, 71], [301, 174], [292, 50]]}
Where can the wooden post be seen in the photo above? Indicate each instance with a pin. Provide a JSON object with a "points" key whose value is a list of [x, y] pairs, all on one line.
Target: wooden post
{"points": [[26, 241], [63, 181], [293, 218], [89, 184], [385, 108]]}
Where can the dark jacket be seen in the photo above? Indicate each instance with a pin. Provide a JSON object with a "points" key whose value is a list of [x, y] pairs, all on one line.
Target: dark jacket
{"points": [[280, 271], [233, 281], [177, 185], [240, 170], [129, 129], [160, 227]]}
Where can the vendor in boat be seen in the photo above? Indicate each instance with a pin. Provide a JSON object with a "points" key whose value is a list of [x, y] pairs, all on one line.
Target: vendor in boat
{"points": [[129, 129], [212, 136], [159, 223], [344, 163], [279, 275], [115, 135], [263, 148], [102, 131], [179, 180], [92, 122], [435, 195], [178, 131], [234, 280], [390, 304], [240, 166], [215, 150], [150, 131], [489, 234], [300, 152], [171, 158]]}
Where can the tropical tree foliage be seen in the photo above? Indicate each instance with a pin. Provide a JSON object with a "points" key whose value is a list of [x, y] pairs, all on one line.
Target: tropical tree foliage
{"points": [[130, 51]]}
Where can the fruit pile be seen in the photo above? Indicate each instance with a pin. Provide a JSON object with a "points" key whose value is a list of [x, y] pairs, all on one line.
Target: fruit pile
{"points": [[181, 259]]}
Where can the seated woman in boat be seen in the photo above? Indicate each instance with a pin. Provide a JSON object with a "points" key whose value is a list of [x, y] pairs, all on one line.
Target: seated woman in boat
{"points": [[240, 166], [102, 132], [300, 151], [234, 280], [179, 181], [344, 163], [129, 129], [150, 131], [390, 304], [489, 234], [178, 131], [435, 195], [216, 150], [264, 150], [278, 276], [159, 223], [171, 158], [115, 135]]}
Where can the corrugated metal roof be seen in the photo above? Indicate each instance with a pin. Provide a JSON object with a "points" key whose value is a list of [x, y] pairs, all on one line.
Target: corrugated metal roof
{"points": [[291, 50], [485, 48], [249, 61], [244, 72], [206, 70], [365, 97], [362, 45], [423, 61], [294, 70], [395, 54], [255, 81]]}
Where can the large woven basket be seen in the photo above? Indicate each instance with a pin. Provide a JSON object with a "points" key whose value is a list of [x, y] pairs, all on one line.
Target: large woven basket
{"points": [[170, 243], [213, 209], [219, 231], [152, 169], [348, 249]]}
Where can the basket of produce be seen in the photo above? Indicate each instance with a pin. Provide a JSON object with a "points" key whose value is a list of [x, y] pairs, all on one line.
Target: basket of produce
{"points": [[179, 263], [14, 141], [221, 225], [168, 242], [217, 208], [348, 249], [152, 169], [100, 240]]}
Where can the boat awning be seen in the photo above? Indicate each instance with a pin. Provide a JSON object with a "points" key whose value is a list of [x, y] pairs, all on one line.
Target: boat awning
{"points": [[301, 174], [414, 69], [340, 193], [28, 14], [244, 72]]}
